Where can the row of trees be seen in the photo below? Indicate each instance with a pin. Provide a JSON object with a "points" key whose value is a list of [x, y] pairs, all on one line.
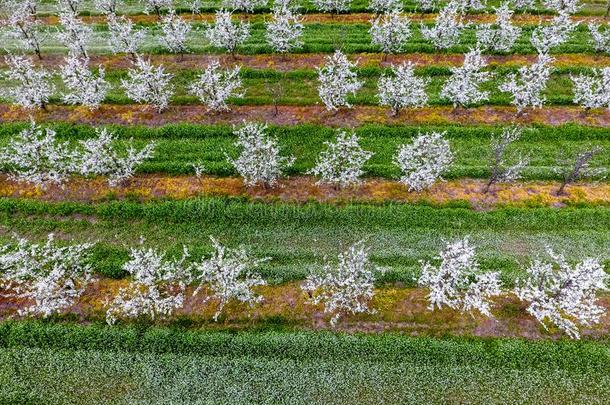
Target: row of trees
{"points": [[52, 278], [398, 89]]}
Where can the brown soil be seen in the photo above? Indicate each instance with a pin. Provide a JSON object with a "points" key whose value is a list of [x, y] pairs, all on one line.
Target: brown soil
{"points": [[303, 189]]}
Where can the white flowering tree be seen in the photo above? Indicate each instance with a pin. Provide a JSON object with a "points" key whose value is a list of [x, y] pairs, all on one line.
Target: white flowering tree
{"points": [[259, 160], [214, 86], [564, 295], [73, 33], [504, 165], [157, 6], [123, 37], [82, 85], [523, 4], [100, 157], [566, 6], [458, 282], [226, 34], [385, 6], [402, 88], [33, 86], [345, 287], [548, 36], [69, 5], [332, 6], [21, 24], [226, 276], [175, 31], [446, 30], [464, 6], [423, 162], [337, 80], [579, 167], [35, 156], [244, 5], [390, 31], [500, 36], [284, 31], [50, 278], [156, 289], [600, 36], [527, 86], [108, 7], [147, 83], [592, 91], [463, 87], [342, 161]]}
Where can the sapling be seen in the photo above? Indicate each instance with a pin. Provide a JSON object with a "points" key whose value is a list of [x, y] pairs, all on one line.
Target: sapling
{"points": [[402, 89], [579, 167], [226, 34], [84, 87], [390, 31], [337, 80], [123, 37], [74, 34], [600, 36], [447, 28], [592, 91], [174, 33], [148, 83], [214, 86], [284, 31], [22, 25], [33, 86], [526, 88], [500, 36], [463, 87], [504, 167]]}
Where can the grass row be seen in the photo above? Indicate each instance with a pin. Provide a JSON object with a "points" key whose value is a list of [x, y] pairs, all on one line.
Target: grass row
{"points": [[85, 364], [316, 37], [299, 237], [178, 147]]}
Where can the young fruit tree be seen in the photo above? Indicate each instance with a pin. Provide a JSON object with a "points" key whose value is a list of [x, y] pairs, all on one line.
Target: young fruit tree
{"points": [[146, 83], [100, 157], [82, 85], [523, 4], [601, 36], [33, 86], [175, 31], [390, 31], [500, 36], [337, 80], [402, 88], [21, 24], [463, 87], [423, 162], [563, 295], [385, 6], [345, 287], [446, 30], [464, 6], [259, 160], [458, 282], [342, 161], [428, 5], [108, 7], [243, 5], [566, 6], [227, 276], [580, 167], [592, 91], [69, 5], [156, 289], [504, 166], [215, 86], [526, 88], [157, 6], [36, 157], [284, 31], [49, 277], [332, 6], [123, 37], [74, 34], [548, 36], [225, 34]]}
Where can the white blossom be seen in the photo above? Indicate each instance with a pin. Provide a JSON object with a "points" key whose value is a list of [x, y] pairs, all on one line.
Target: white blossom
{"points": [[446, 30], [341, 163], [50, 278], [463, 87], [175, 31], [504, 166], [548, 36], [601, 36], [225, 34], [385, 6], [244, 5], [390, 31], [74, 34], [332, 6], [156, 289], [84, 87], [563, 295], [259, 160], [592, 91], [500, 36], [284, 31], [108, 7], [214, 86], [523, 4], [99, 157], [458, 282], [402, 88], [428, 5], [567, 6], [337, 80], [526, 88], [227, 276], [22, 25], [149, 84], [37, 157], [423, 162], [291, 5], [155, 6], [123, 38], [33, 87], [69, 5], [464, 6], [345, 287]]}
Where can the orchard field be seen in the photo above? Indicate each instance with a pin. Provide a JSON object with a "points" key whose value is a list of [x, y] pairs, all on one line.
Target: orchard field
{"points": [[304, 201]]}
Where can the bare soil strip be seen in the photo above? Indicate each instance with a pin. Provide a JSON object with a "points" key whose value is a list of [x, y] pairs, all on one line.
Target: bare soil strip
{"points": [[290, 115]]}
